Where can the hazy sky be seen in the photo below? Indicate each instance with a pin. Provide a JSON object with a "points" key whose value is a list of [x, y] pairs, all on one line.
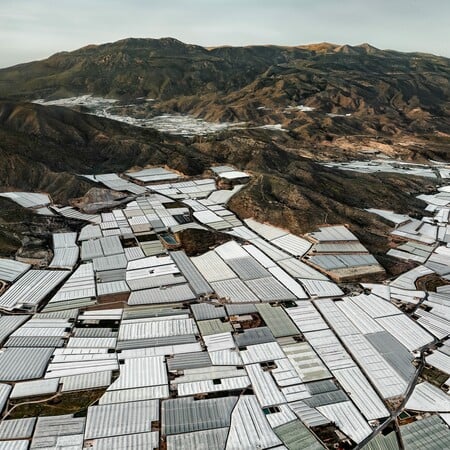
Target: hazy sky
{"points": [[35, 29]]}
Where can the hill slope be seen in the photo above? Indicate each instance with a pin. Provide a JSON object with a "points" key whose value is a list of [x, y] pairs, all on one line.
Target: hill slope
{"points": [[43, 148], [385, 91]]}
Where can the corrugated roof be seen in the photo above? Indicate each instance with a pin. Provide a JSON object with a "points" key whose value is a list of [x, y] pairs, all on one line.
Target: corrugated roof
{"points": [[56, 426], [267, 231], [247, 268], [195, 279], [307, 364], [427, 397], [306, 317], [135, 394], [214, 439], [141, 372], [170, 294], [382, 375], [330, 350], [269, 289], [264, 386], [253, 336], [292, 244], [32, 288], [249, 427], [361, 392], [287, 281], [8, 324], [262, 352], [334, 233], [156, 328], [320, 288], [62, 240], [121, 418], [10, 270], [398, 356], [34, 341], [240, 308], [206, 311], [5, 390], [218, 384], [86, 381], [139, 441], [309, 416], [295, 436], [212, 267], [338, 321], [235, 290], [430, 433], [183, 361], [277, 320], [185, 415], [80, 285], [406, 331], [348, 419], [17, 428], [18, 364], [213, 326], [65, 258], [14, 445]]}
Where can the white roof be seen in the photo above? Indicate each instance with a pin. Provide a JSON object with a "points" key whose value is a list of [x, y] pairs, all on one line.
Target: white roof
{"points": [[383, 376], [330, 350], [220, 341], [439, 360], [267, 231], [334, 233], [427, 397], [141, 372], [10, 270], [306, 317], [288, 282], [212, 267], [35, 387], [31, 288], [120, 419], [264, 386], [80, 285], [269, 351], [361, 392], [156, 328], [321, 288], [249, 427], [292, 244], [135, 394], [406, 331], [348, 419], [235, 290], [27, 199]]}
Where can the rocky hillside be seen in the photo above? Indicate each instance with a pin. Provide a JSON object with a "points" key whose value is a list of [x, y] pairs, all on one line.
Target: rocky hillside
{"points": [[386, 92], [354, 98], [44, 148]]}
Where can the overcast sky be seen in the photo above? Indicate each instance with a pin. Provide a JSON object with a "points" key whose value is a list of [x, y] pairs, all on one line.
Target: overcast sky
{"points": [[35, 29]]}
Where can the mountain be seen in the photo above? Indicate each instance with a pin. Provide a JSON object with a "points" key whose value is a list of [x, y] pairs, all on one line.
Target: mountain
{"points": [[43, 148], [328, 102], [386, 92]]}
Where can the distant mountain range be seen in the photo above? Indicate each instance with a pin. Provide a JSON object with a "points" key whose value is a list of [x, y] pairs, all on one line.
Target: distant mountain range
{"points": [[384, 91], [332, 101]]}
